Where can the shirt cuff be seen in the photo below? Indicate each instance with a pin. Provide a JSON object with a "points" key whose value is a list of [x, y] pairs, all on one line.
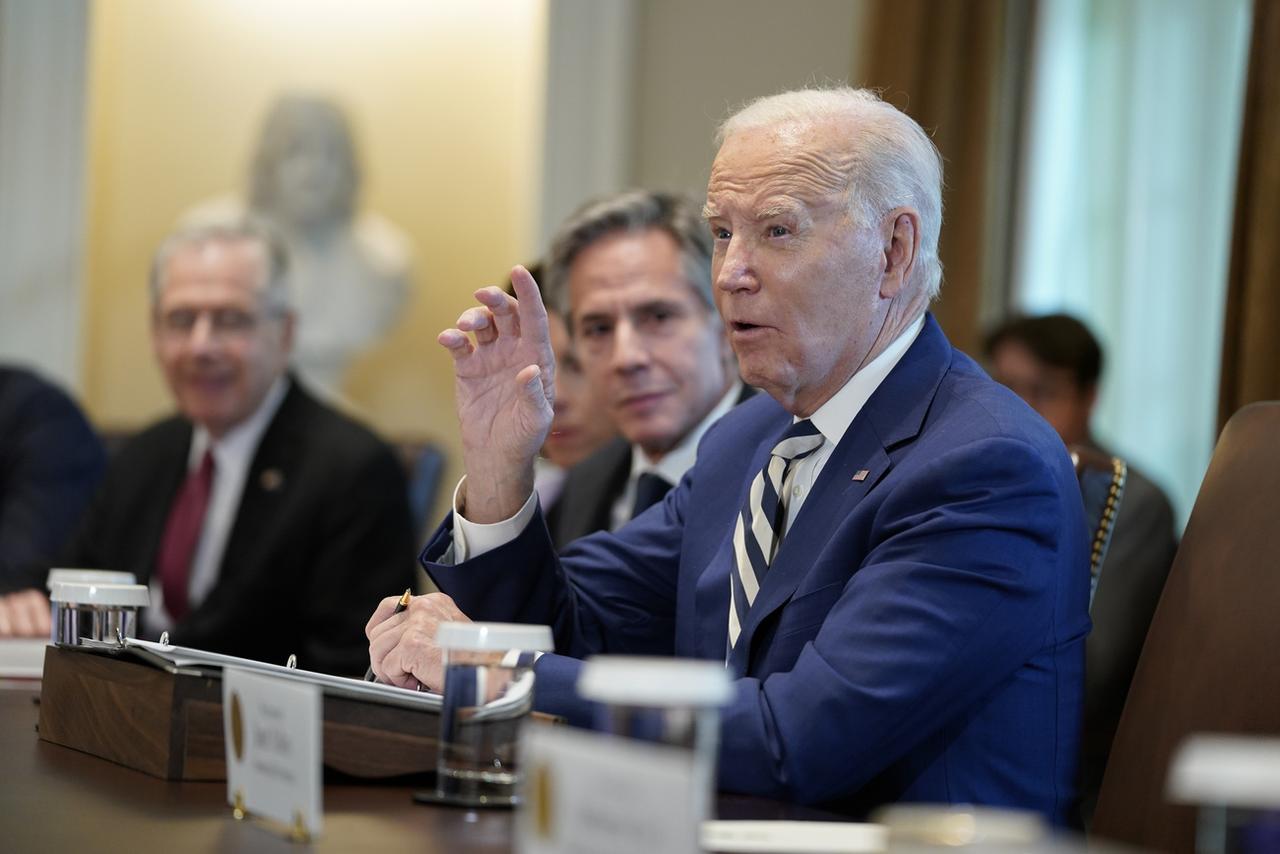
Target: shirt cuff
{"points": [[472, 539], [520, 658]]}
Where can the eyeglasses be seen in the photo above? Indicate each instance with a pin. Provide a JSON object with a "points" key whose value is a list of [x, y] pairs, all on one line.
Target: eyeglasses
{"points": [[224, 323]]}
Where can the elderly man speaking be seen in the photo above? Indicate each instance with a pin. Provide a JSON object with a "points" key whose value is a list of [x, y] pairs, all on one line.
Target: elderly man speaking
{"points": [[887, 550]]}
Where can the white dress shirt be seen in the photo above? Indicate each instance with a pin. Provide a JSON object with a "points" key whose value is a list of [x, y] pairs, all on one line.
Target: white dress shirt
{"points": [[232, 456]]}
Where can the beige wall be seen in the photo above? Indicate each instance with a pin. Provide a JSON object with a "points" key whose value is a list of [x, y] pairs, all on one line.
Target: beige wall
{"points": [[449, 105], [699, 59], [447, 101]]}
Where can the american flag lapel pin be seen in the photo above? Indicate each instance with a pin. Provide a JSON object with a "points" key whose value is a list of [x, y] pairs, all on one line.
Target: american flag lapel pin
{"points": [[861, 475]]}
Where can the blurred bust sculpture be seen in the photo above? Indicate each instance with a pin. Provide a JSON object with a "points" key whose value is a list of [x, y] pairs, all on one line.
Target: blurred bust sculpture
{"points": [[349, 269]]}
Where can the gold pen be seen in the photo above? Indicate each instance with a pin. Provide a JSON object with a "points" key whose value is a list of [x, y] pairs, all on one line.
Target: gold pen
{"points": [[400, 606]]}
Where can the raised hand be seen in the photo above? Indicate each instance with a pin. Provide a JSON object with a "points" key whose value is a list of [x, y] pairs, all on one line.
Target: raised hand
{"points": [[504, 384]]}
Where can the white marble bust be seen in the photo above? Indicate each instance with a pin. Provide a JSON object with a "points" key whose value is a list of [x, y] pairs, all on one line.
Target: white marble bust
{"points": [[349, 270]]}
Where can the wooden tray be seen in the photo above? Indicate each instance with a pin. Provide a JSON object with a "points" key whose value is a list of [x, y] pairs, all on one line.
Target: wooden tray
{"points": [[169, 725]]}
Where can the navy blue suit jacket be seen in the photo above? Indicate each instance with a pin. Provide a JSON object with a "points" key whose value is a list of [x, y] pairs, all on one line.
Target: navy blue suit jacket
{"points": [[920, 634], [50, 463]]}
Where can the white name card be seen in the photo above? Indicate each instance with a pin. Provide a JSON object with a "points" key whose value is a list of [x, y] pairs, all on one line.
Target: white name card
{"points": [[587, 792], [272, 728]]}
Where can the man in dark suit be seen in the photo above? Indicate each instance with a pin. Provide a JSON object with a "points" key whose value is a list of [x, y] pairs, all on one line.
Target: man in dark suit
{"points": [[1054, 363], [888, 550], [264, 522], [50, 463], [632, 273]]}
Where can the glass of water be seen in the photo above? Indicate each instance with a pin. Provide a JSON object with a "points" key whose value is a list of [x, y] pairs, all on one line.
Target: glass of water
{"points": [[667, 701], [488, 692]]}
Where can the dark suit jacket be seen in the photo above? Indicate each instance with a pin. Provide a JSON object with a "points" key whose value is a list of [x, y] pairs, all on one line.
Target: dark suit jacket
{"points": [[50, 463], [592, 486], [920, 634], [323, 533], [589, 490]]}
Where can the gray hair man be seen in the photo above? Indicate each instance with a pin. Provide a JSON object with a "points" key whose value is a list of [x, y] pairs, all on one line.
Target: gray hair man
{"points": [[887, 550], [254, 493]]}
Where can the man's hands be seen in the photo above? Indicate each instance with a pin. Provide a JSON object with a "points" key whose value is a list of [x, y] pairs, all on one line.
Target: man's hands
{"points": [[24, 614], [504, 381], [402, 648]]}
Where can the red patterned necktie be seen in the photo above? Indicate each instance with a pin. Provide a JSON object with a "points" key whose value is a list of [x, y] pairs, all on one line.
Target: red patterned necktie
{"points": [[182, 534]]}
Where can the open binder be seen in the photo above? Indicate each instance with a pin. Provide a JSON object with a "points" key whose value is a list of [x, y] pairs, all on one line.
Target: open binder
{"points": [[198, 662]]}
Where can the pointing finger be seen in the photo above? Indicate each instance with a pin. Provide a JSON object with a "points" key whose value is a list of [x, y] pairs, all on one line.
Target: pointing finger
{"points": [[528, 297], [503, 309]]}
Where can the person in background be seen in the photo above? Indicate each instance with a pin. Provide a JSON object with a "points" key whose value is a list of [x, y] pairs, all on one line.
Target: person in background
{"points": [[632, 273], [887, 549], [51, 461], [265, 523], [1054, 363]]}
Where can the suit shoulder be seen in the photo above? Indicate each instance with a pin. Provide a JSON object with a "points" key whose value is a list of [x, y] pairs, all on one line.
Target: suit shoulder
{"points": [[1144, 499], [330, 434], [157, 438], [25, 397], [968, 398]]}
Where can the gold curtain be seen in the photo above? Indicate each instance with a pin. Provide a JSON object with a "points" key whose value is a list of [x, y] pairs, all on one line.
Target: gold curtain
{"points": [[1250, 342], [959, 69]]}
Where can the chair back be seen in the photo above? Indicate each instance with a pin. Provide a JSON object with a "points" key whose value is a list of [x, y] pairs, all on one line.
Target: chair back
{"points": [[1210, 662]]}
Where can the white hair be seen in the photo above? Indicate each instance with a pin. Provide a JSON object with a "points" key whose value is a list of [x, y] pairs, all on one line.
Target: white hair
{"points": [[893, 161], [275, 256]]}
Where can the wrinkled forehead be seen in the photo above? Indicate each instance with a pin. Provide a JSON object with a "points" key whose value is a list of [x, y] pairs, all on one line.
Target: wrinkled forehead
{"points": [[225, 265], [809, 161]]}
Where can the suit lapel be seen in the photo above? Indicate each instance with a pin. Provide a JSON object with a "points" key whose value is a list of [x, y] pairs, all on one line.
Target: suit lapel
{"points": [[711, 592], [894, 414], [267, 483], [834, 496]]}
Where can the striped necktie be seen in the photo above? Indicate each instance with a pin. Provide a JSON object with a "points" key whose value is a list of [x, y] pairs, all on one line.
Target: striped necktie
{"points": [[760, 524]]}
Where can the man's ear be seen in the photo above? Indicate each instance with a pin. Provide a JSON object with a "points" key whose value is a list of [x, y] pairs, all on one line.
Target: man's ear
{"points": [[900, 233]]}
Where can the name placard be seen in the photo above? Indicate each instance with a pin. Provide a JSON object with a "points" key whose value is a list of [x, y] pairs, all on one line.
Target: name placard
{"points": [[587, 792], [272, 729]]}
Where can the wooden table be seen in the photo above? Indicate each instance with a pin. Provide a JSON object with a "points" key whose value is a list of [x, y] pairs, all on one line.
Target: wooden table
{"points": [[54, 798]]}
